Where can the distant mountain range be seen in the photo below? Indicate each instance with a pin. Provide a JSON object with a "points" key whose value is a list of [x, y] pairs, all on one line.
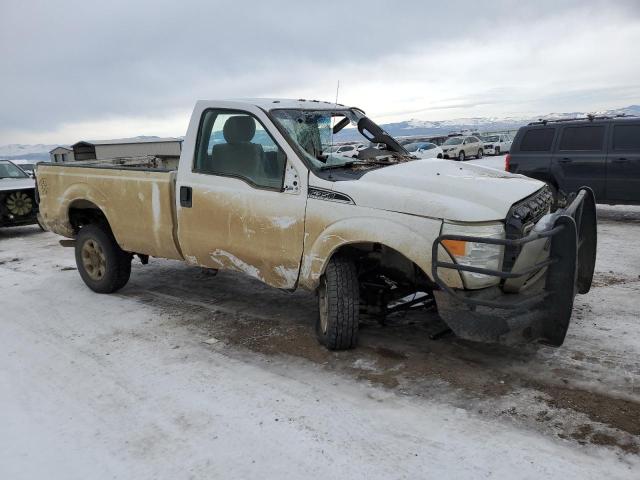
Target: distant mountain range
{"points": [[397, 129], [16, 151], [488, 124]]}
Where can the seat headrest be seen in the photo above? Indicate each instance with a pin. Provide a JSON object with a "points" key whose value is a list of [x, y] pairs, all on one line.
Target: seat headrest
{"points": [[240, 128]]}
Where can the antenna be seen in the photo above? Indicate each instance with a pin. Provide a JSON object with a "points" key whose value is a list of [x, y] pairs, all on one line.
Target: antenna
{"points": [[331, 121]]}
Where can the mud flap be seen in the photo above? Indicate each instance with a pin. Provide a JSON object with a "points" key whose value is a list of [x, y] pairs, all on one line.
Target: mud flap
{"points": [[560, 283], [586, 223]]}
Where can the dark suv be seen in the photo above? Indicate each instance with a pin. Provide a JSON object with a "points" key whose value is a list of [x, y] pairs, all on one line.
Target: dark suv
{"points": [[598, 152]]}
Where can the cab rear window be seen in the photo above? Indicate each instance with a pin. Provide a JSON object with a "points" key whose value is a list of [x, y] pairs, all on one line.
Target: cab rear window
{"points": [[537, 140]]}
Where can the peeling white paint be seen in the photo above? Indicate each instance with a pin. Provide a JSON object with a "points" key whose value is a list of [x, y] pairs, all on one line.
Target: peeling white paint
{"points": [[155, 207], [155, 204], [289, 275], [191, 260], [284, 222], [228, 260]]}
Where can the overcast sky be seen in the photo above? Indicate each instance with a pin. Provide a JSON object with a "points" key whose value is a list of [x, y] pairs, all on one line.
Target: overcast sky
{"points": [[73, 70]]}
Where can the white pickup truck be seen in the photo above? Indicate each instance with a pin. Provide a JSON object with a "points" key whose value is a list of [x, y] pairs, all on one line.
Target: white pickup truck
{"points": [[256, 192]]}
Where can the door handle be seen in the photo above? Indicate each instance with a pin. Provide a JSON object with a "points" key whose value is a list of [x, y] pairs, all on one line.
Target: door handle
{"points": [[620, 160], [186, 196], [564, 160]]}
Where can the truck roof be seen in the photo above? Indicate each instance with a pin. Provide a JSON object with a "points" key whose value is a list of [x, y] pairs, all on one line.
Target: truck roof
{"points": [[129, 141], [272, 103]]}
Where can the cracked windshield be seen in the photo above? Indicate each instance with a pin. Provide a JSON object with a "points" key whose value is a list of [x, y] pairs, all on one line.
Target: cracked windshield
{"points": [[339, 139]]}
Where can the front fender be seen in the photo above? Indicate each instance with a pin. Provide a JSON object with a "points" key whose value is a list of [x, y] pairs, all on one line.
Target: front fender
{"points": [[412, 239]]}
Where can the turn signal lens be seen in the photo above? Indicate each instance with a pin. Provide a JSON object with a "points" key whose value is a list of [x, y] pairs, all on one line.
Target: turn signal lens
{"points": [[457, 248], [476, 254]]}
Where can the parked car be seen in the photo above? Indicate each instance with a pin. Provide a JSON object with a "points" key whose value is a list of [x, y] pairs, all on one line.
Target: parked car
{"points": [[496, 144], [17, 196], [462, 147], [424, 150], [362, 233], [600, 153], [345, 150], [28, 166]]}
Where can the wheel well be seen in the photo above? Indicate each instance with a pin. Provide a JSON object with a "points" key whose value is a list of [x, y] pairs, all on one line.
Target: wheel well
{"points": [[383, 271], [84, 212]]}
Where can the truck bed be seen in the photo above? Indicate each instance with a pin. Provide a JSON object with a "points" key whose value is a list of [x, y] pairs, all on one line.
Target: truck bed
{"points": [[138, 202]]}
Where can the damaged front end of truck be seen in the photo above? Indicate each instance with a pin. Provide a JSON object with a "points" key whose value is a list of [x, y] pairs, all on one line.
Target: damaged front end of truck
{"points": [[544, 265]]}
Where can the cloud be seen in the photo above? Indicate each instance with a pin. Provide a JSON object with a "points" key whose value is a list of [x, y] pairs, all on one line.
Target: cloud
{"points": [[77, 69]]}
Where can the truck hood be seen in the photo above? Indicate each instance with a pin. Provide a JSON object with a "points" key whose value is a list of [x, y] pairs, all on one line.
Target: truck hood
{"points": [[443, 189], [16, 184]]}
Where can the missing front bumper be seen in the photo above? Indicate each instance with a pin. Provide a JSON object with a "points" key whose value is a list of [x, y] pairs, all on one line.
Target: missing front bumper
{"points": [[535, 300]]}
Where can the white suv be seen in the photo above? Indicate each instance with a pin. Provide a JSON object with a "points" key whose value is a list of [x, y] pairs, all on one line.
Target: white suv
{"points": [[462, 147], [496, 144]]}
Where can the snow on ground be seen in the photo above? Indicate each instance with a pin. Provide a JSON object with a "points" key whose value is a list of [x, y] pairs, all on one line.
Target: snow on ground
{"points": [[184, 374]]}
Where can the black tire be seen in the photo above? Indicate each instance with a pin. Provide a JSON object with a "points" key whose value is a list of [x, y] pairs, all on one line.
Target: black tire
{"points": [[338, 305], [461, 156], [496, 151], [115, 264], [479, 155]]}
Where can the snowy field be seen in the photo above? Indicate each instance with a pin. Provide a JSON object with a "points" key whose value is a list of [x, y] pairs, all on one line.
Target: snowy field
{"points": [[185, 374]]}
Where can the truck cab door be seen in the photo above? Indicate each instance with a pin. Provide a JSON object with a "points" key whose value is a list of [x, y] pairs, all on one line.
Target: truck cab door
{"points": [[623, 163], [240, 197], [580, 158]]}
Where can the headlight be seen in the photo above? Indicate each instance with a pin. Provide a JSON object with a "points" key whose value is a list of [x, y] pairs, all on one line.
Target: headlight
{"points": [[481, 255]]}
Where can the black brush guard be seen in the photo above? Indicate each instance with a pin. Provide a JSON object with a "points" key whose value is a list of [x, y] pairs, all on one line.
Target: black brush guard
{"points": [[535, 298]]}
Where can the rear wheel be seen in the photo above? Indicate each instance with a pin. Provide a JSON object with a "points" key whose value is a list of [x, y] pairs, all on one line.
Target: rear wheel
{"points": [[102, 264], [480, 152], [461, 156], [338, 305]]}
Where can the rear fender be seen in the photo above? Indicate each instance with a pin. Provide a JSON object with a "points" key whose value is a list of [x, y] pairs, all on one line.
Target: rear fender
{"points": [[58, 220]]}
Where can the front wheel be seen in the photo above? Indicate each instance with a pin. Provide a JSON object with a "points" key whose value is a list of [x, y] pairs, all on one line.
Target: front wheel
{"points": [[497, 151], [102, 264], [461, 156], [338, 305]]}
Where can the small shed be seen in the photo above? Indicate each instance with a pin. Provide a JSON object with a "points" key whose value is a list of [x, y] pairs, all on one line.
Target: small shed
{"points": [[127, 148], [61, 155]]}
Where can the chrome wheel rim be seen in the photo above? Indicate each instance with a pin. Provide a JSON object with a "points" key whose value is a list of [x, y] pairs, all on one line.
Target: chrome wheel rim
{"points": [[323, 305], [93, 260]]}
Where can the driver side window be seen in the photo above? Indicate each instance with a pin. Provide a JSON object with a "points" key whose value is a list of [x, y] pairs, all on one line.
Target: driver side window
{"points": [[236, 144]]}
